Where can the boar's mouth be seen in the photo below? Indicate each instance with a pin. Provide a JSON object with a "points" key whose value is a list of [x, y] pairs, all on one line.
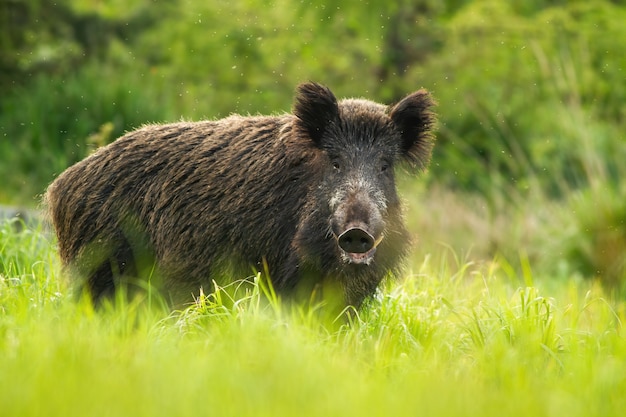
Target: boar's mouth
{"points": [[357, 245]]}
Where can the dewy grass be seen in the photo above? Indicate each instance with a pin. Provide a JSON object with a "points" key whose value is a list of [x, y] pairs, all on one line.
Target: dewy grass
{"points": [[443, 341]]}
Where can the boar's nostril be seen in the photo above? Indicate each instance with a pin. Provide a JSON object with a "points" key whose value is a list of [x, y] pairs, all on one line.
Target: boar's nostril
{"points": [[356, 240]]}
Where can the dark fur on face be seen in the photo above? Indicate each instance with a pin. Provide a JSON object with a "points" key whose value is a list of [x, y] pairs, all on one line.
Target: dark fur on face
{"points": [[197, 201]]}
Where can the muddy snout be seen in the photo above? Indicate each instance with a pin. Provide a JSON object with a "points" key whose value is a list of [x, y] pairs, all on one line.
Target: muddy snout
{"points": [[356, 240]]}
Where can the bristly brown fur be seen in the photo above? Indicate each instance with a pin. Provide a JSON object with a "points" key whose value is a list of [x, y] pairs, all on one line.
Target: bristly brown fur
{"points": [[189, 203]]}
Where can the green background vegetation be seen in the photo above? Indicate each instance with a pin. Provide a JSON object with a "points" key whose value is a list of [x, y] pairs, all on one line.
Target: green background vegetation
{"points": [[514, 300]]}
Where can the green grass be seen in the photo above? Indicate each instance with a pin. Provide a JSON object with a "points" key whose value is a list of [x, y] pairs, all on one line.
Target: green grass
{"points": [[464, 340]]}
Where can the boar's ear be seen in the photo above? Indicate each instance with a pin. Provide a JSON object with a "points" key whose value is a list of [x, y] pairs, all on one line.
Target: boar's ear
{"points": [[414, 118], [316, 107]]}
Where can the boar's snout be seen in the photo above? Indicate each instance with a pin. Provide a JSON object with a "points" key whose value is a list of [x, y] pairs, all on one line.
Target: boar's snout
{"points": [[358, 224], [356, 240]]}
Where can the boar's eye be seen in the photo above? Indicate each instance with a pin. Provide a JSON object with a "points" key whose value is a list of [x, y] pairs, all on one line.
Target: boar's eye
{"points": [[336, 165], [384, 166]]}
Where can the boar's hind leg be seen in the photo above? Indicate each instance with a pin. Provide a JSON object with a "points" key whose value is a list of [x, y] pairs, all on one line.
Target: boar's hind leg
{"points": [[101, 269], [100, 284]]}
